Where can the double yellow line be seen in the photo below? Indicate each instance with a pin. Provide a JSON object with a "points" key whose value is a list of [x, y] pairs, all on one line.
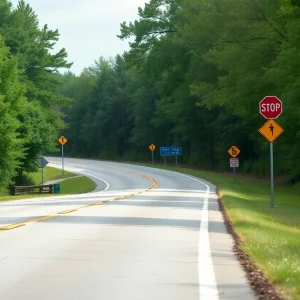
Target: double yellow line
{"points": [[44, 218]]}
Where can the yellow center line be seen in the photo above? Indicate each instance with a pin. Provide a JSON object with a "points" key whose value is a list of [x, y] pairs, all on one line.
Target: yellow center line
{"points": [[68, 211], [44, 218]]}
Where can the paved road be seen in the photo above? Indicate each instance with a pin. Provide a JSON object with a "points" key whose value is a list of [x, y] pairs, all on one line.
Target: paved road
{"points": [[143, 234]]}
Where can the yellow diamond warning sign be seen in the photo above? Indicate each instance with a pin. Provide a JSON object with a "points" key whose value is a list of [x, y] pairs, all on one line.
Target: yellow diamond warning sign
{"points": [[234, 151], [62, 140], [152, 147], [271, 130]]}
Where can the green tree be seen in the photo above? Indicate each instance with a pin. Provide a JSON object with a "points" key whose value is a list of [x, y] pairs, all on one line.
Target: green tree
{"points": [[33, 48], [12, 105]]}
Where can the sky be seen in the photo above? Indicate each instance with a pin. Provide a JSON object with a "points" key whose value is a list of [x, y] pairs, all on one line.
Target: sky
{"points": [[88, 29]]}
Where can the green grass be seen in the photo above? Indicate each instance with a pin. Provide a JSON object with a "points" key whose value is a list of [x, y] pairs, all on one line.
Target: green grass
{"points": [[271, 236], [77, 185], [49, 174]]}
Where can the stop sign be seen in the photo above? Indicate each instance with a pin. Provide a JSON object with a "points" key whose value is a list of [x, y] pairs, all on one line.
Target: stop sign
{"points": [[270, 107]]}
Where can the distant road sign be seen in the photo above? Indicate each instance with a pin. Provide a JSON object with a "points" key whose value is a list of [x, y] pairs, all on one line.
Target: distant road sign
{"points": [[234, 162], [170, 151], [62, 140], [234, 151], [42, 162], [270, 107], [152, 147], [271, 130]]}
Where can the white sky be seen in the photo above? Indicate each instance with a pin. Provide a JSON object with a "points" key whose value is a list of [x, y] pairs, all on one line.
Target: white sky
{"points": [[87, 28]]}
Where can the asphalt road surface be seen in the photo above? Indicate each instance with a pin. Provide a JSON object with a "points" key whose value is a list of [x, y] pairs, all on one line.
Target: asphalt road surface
{"points": [[143, 234]]}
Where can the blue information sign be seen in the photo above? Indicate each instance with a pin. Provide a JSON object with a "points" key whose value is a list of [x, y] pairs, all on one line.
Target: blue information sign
{"points": [[170, 151]]}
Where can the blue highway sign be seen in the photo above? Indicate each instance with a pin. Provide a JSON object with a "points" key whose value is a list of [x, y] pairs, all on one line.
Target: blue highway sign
{"points": [[170, 151]]}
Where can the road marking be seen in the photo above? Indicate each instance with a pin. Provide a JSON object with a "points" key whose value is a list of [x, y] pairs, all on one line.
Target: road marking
{"points": [[12, 226], [208, 289], [83, 173], [107, 184], [44, 218], [67, 211], [30, 223]]}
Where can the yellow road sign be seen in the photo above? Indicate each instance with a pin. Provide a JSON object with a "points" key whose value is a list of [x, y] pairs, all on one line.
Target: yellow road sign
{"points": [[152, 147], [62, 140], [271, 130], [234, 151]]}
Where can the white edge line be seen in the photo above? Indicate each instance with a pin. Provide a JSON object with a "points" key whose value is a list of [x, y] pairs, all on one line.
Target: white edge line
{"points": [[107, 184], [83, 173], [208, 289], [207, 281]]}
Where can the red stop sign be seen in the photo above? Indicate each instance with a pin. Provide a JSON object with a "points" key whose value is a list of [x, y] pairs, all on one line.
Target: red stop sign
{"points": [[270, 107]]}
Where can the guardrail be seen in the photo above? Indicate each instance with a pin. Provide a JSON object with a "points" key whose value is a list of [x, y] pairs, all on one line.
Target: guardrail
{"points": [[32, 189]]}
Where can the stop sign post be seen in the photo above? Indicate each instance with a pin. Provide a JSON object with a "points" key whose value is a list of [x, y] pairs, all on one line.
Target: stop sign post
{"points": [[271, 108]]}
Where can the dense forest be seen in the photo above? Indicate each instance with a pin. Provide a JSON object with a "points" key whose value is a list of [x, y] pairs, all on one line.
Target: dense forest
{"points": [[193, 77], [30, 108]]}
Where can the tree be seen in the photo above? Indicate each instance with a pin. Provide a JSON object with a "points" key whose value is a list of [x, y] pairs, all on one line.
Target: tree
{"points": [[12, 105], [33, 48]]}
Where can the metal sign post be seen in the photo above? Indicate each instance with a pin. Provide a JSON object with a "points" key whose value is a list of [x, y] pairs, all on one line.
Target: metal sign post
{"points": [[272, 174], [234, 176], [152, 148], [271, 130], [62, 140], [234, 151], [42, 162], [234, 163], [271, 108], [62, 159]]}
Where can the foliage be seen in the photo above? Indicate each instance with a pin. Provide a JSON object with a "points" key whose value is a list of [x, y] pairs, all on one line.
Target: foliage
{"points": [[194, 75], [12, 104], [31, 110]]}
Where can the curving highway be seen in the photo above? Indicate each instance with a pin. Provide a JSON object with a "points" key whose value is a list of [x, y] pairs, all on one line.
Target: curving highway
{"points": [[144, 233]]}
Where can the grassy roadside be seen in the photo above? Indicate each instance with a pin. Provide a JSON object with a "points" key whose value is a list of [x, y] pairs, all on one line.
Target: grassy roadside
{"points": [[70, 186], [49, 174], [77, 185], [271, 237]]}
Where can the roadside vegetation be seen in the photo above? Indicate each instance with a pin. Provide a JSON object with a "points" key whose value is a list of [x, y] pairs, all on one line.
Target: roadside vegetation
{"points": [[270, 236], [31, 112], [68, 186], [50, 173], [77, 185], [193, 77], [183, 82]]}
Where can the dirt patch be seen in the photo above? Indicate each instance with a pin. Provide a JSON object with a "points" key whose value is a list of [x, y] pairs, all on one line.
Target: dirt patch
{"points": [[263, 288]]}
